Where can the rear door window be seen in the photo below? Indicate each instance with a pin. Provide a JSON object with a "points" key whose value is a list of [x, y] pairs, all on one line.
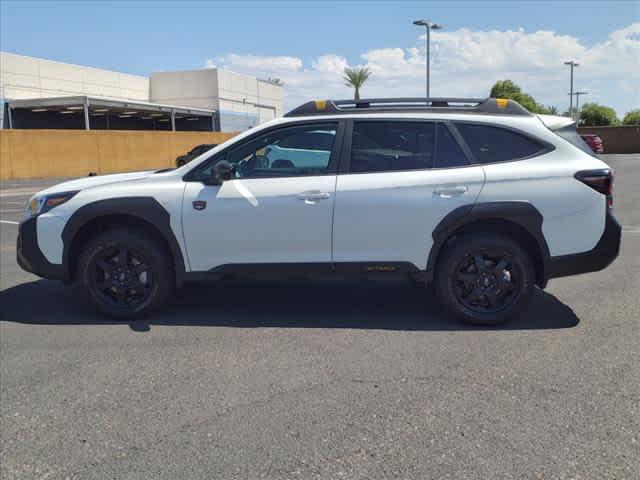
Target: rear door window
{"points": [[384, 146], [494, 144]]}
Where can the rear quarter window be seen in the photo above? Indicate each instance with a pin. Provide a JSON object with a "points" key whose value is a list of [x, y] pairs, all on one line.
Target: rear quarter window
{"points": [[491, 144], [570, 134]]}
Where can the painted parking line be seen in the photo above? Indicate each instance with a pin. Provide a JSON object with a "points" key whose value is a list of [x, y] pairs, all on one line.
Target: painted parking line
{"points": [[9, 222]]}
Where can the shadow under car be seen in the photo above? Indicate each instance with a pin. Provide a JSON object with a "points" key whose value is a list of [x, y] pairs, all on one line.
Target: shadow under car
{"points": [[281, 304]]}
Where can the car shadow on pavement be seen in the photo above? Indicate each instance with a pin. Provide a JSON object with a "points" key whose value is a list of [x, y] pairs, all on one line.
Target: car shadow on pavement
{"points": [[247, 304]]}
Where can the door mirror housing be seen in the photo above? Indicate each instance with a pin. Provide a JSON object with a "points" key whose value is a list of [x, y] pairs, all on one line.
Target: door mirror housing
{"points": [[221, 172]]}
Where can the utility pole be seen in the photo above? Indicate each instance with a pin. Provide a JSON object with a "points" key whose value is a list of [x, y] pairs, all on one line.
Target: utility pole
{"points": [[577, 94], [427, 43], [572, 64]]}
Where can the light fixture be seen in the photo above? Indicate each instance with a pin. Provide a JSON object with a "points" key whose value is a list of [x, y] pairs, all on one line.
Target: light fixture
{"points": [[191, 119], [97, 114], [125, 116], [101, 110], [66, 112], [76, 107], [38, 109], [157, 114], [129, 113], [145, 118], [163, 120]]}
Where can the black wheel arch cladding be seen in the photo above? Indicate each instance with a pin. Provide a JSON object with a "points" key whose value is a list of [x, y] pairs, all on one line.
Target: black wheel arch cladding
{"points": [[147, 209], [522, 214]]}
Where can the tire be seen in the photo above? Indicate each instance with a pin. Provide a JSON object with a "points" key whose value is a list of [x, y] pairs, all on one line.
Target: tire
{"points": [[484, 279], [127, 273]]}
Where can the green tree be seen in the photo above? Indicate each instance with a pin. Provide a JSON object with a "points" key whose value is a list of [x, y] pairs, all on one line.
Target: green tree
{"points": [[511, 90], [355, 77], [595, 115], [632, 117], [552, 110]]}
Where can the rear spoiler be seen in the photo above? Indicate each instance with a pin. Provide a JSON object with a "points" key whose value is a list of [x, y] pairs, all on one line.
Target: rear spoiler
{"points": [[556, 122]]}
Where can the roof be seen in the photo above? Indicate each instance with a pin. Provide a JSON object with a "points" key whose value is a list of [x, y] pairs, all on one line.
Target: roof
{"points": [[399, 105], [105, 102]]}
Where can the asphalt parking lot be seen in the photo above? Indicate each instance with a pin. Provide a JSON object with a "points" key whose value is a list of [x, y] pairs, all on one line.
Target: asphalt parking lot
{"points": [[319, 380]]}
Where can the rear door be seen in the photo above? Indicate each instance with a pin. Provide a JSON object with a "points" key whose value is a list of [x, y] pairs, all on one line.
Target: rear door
{"points": [[399, 178]]}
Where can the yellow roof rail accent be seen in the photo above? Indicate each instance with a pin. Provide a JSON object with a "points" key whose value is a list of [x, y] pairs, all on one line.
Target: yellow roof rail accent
{"points": [[321, 104], [502, 102]]}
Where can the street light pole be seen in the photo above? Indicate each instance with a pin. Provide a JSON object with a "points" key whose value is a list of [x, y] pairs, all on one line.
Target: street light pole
{"points": [[427, 43], [572, 64]]}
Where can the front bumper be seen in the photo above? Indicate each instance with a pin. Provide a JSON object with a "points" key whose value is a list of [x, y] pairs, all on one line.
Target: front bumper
{"points": [[31, 258], [602, 255]]}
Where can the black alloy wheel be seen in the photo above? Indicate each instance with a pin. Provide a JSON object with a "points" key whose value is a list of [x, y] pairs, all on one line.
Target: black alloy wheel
{"points": [[127, 273], [486, 281], [122, 276], [484, 278]]}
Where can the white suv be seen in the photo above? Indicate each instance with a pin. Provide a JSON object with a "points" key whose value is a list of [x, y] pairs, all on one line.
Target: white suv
{"points": [[478, 197]]}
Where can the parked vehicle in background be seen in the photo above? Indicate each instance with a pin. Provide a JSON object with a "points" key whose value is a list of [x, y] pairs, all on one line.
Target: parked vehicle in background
{"points": [[480, 198], [594, 141], [193, 153]]}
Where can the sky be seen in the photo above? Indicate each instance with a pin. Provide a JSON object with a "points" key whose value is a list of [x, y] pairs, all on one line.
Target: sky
{"points": [[308, 44]]}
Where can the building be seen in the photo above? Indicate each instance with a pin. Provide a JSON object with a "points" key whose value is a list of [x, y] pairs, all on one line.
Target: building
{"points": [[219, 90], [39, 93]]}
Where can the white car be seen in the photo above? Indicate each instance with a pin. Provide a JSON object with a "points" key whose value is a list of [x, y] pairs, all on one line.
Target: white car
{"points": [[480, 198]]}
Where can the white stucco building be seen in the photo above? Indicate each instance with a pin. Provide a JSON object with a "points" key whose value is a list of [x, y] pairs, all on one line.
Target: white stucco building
{"points": [[240, 100]]}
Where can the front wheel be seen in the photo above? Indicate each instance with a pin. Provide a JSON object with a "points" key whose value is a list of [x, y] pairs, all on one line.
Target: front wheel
{"points": [[127, 273], [484, 278]]}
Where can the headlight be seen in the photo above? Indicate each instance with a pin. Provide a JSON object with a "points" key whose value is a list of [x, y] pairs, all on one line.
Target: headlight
{"points": [[43, 203]]}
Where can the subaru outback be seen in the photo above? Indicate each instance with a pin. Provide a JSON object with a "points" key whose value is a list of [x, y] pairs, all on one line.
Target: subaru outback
{"points": [[478, 197]]}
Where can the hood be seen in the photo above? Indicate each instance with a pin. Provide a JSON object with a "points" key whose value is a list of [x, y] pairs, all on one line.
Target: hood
{"points": [[95, 181]]}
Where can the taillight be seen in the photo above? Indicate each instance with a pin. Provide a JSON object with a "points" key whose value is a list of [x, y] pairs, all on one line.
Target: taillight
{"points": [[600, 180]]}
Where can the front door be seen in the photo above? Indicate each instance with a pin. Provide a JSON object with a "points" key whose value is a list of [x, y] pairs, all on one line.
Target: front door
{"points": [[276, 208]]}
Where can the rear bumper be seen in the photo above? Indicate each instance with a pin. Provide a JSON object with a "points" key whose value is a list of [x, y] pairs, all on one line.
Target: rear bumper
{"points": [[602, 255], [31, 258]]}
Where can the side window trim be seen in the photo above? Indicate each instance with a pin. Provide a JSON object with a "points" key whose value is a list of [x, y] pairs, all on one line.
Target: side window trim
{"points": [[457, 136], [334, 160], [545, 147], [345, 153]]}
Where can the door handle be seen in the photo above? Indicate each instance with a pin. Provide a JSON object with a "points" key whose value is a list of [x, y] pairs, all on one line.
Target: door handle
{"points": [[450, 191], [313, 196]]}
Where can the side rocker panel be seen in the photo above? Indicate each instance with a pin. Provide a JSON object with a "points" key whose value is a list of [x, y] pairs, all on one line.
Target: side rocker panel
{"points": [[147, 209]]}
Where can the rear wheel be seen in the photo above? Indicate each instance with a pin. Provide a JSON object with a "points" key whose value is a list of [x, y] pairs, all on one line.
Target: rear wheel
{"points": [[484, 278], [127, 273]]}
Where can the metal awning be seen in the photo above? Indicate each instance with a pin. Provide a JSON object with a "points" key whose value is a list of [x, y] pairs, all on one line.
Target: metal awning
{"points": [[92, 106]]}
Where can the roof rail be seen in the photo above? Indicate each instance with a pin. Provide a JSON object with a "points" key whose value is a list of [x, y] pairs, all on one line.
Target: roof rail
{"points": [[418, 104]]}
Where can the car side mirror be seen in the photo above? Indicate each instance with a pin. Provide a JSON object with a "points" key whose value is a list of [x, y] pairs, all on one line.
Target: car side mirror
{"points": [[221, 172]]}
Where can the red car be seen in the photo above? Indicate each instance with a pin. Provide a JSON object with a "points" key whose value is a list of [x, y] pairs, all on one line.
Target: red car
{"points": [[594, 142]]}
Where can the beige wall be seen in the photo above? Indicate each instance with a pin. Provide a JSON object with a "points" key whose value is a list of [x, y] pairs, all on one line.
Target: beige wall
{"points": [[72, 153], [29, 77]]}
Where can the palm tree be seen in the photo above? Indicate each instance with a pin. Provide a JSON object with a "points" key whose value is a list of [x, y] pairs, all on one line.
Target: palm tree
{"points": [[355, 77]]}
